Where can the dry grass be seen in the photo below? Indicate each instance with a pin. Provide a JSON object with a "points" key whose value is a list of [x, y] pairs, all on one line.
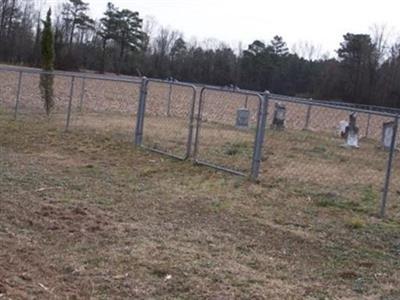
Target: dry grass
{"points": [[314, 163], [85, 215]]}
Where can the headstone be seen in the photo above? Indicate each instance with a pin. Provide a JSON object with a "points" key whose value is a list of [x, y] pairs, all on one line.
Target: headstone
{"points": [[242, 118], [351, 132], [278, 123], [387, 135]]}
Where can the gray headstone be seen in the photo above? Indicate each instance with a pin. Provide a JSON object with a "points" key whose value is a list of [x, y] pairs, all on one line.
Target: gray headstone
{"points": [[387, 135], [242, 118], [278, 122]]}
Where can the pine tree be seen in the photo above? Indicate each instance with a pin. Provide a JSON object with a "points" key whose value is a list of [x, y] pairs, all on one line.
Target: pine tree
{"points": [[75, 15], [279, 47], [107, 31], [47, 49]]}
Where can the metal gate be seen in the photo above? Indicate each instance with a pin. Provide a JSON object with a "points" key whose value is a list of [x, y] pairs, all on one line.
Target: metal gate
{"points": [[230, 130], [166, 117]]}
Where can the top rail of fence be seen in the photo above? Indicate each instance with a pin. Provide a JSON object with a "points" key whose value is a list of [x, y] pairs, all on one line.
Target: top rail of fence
{"points": [[326, 105], [229, 90], [363, 106], [70, 74], [177, 83]]}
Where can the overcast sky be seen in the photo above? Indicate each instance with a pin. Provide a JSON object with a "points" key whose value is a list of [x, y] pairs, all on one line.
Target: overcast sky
{"points": [[321, 22]]}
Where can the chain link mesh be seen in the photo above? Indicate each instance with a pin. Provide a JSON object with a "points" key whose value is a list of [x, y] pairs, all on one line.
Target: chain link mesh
{"points": [[316, 161], [105, 106], [393, 201], [8, 91], [31, 106], [100, 105], [220, 141], [168, 118]]}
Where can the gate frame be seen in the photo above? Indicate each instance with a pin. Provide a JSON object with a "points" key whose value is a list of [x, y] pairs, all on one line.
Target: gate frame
{"points": [[141, 116], [258, 137]]}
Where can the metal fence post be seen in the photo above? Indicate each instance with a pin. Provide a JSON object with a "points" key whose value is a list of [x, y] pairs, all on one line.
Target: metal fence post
{"points": [[18, 95], [191, 125], [71, 95], [307, 124], [199, 119], [169, 100], [389, 168], [262, 122], [141, 112], [82, 93], [368, 124]]}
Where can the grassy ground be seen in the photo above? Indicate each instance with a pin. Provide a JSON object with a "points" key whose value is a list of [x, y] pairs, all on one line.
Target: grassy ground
{"points": [[88, 216]]}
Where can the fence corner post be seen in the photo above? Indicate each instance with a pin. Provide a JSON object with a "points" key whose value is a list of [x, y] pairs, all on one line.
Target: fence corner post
{"points": [[260, 135], [198, 119], [308, 115], [389, 168], [83, 89], [141, 112], [368, 123], [169, 100], [71, 95], [18, 95]]}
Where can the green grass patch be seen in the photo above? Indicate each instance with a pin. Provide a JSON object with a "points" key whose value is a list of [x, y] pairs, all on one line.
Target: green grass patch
{"points": [[239, 148]]}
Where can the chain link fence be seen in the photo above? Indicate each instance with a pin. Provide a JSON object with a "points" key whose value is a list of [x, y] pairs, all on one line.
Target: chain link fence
{"points": [[168, 117], [294, 142], [98, 104], [26, 100], [229, 130], [310, 155], [21, 95], [107, 106], [10, 81]]}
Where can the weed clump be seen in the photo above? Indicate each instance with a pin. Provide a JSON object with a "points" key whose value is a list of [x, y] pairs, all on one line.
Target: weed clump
{"points": [[355, 223]]}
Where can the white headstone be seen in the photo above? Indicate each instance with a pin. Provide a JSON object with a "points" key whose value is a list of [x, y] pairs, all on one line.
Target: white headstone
{"points": [[351, 132], [352, 140]]}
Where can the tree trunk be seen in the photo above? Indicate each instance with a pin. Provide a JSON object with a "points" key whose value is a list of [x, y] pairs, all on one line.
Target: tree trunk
{"points": [[103, 59], [71, 37], [36, 46], [4, 8], [121, 55], [10, 19]]}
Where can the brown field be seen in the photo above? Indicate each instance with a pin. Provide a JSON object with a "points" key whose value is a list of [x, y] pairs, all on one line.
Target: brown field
{"points": [[86, 215]]}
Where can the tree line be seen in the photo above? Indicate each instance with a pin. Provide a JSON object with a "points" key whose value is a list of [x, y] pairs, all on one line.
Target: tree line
{"points": [[366, 69]]}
